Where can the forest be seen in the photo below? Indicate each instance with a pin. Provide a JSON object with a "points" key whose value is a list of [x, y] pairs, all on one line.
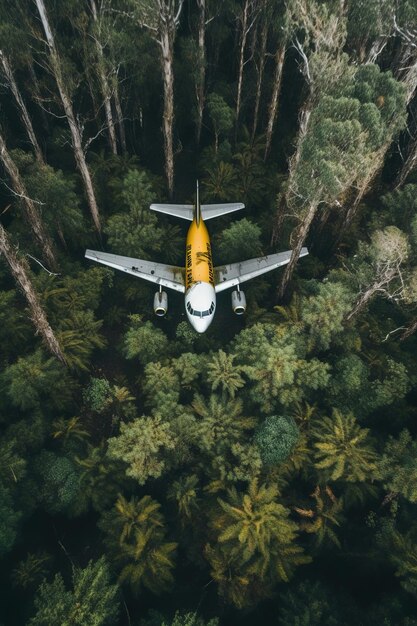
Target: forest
{"points": [[264, 472]]}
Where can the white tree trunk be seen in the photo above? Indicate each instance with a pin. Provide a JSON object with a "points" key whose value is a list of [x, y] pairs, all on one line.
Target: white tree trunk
{"points": [[56, 67], [409, 165], [276, 90], [24, 115], [242, 57], [167, 52], [31, 211], [19, 272], [201, 73], [260, 71], [104, 84]]}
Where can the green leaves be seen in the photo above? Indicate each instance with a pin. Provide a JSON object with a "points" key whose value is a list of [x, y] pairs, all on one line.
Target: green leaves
{"points": [[135, 535], [91, 601], [143, 445], [256, 542], [342, 449], [275, 438]]}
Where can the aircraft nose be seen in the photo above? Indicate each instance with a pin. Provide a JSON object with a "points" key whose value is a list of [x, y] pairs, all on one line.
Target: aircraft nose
{"points": [[200, 324]]}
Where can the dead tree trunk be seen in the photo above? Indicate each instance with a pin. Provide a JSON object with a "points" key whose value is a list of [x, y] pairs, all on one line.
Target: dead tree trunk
{"points": [[31, 211], [104, 83], [282, 206], [301, 236], [19, 272], [276, 90], [201, 70], [24, 115], [409, 165], [409, 331], [369, 294], [55, 64]]}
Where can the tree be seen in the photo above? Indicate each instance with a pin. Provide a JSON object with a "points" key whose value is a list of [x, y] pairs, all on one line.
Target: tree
{"points": [[60, 482], [135, 231], [309, 604], [32, 570], [30, 381], [377, 268], [135, 534], [19, 270], [276, 437], [342, 451], [57, 69], [277, 366], [255, 544], [31, 211], [143, 445], [92, 601], [101, 479], [221, 116], [397, 466], [8, 73], [9, 519], [184, 492], [240, 240], [222, 372], [161, 19], [320, 520], [324, 311], [404, 556], [144, 341]]}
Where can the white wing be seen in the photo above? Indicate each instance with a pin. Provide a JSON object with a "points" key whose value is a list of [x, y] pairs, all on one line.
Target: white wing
{"points": [[185, 211], [165, 275], [209, 211], [227, 276]]}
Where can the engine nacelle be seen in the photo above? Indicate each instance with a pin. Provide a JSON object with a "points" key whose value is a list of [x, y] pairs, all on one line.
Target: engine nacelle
{"points": [[238, 302], [160, 303]]}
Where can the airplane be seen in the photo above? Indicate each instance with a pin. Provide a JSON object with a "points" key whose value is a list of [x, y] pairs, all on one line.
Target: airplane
{"points": [[198, 280]]}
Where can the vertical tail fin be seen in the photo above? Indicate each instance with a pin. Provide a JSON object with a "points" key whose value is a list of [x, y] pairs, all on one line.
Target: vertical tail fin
{"points": [[198, 207]]}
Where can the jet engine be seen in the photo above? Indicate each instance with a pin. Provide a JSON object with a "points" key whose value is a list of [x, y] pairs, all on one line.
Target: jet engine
{"points": [[238, 302], [160, 303]]}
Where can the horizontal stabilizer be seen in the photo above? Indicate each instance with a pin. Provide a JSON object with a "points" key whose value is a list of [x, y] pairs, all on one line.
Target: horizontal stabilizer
{"points": [[209, 211], [185, 211]]}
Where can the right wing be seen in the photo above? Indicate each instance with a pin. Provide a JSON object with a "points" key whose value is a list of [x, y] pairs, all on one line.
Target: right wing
{"points": [[233, 274], [158, 273]]}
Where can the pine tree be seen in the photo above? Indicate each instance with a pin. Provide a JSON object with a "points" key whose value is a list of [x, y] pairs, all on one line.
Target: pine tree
{"points": [[92, 601]]}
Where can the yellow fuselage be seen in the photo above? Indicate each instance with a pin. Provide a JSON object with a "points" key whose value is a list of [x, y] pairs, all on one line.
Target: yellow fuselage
{"points": [[198, 260]]}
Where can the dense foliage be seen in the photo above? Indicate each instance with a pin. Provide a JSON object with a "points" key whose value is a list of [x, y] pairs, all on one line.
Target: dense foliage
{"points": [[266, 471]]}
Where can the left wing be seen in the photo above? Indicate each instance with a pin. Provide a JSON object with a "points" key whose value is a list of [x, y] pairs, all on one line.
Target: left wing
{"points": [[233, 274], [165, 275]]}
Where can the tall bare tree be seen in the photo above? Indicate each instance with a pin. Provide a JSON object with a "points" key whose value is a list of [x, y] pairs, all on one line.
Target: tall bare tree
{"points": [[19, 271], [56, 68], [161, 18], [7, 71], [32, 213], [246, 18], [105, 84]]}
